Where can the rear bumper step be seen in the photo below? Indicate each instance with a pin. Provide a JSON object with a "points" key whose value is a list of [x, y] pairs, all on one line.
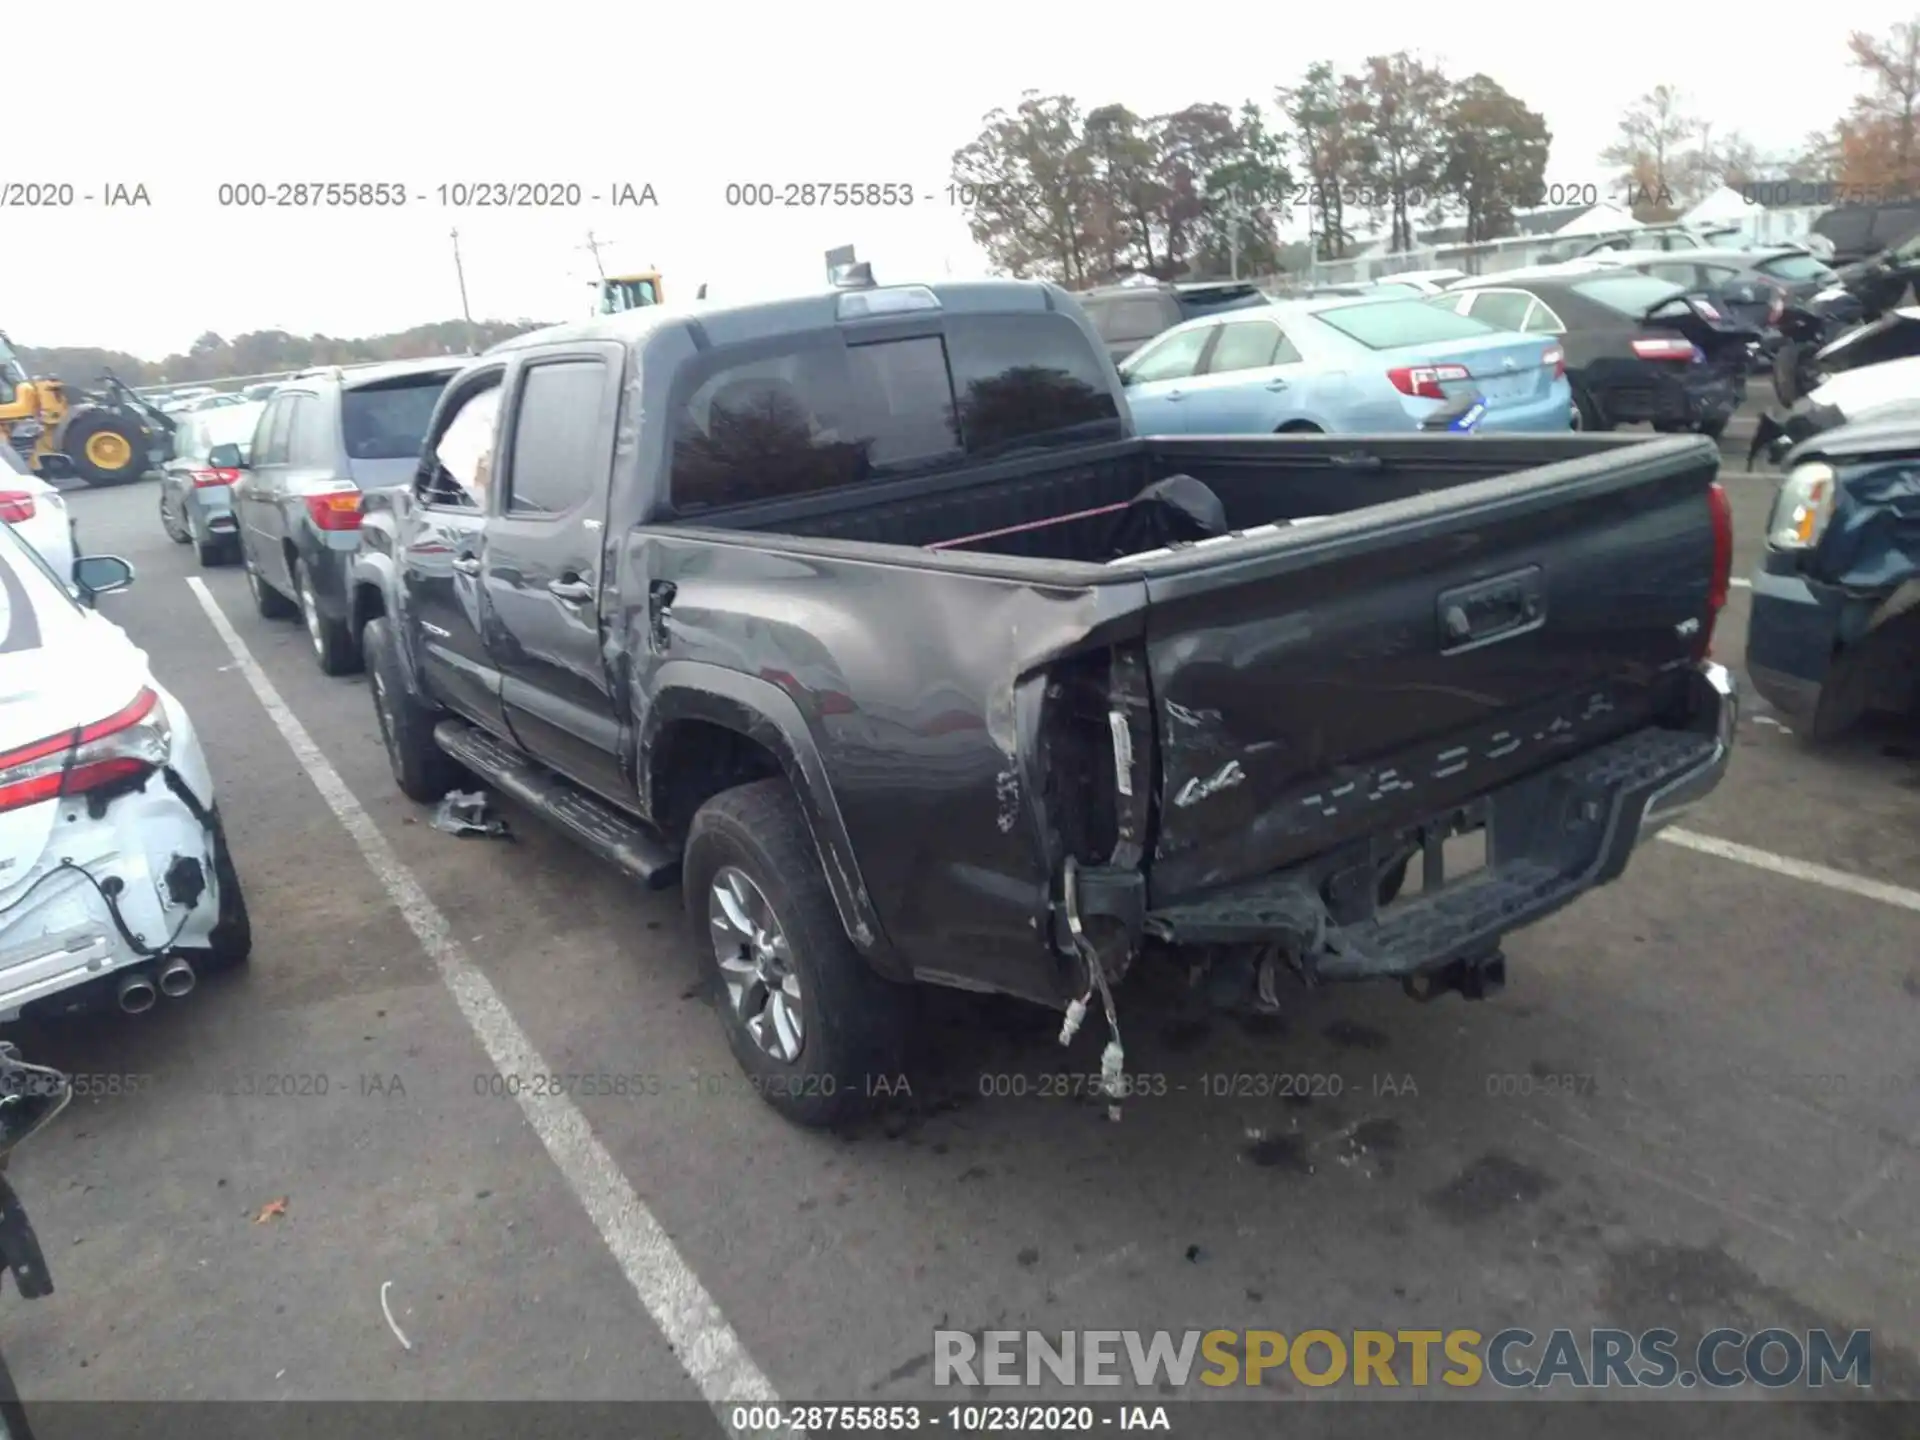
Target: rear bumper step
{"points": [[592, 822], [1550, 837]]}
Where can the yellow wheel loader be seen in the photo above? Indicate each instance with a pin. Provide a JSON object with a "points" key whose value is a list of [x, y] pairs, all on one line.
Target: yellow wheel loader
{"points": [[104, 439], [617, 294]]}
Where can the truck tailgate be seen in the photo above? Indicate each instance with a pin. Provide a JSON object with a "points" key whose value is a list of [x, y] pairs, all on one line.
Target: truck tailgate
{"points": [[1332, 681]]}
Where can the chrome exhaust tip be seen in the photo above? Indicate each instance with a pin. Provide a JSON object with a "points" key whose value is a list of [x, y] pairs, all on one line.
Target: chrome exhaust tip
{"points": [[176, 978], [136, 993]]}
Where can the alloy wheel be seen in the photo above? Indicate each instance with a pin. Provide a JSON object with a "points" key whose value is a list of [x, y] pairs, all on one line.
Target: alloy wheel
{"points": [[310, 612], [756, 964]]}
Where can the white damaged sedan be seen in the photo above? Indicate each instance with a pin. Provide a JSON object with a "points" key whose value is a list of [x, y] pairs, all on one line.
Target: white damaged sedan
{"points": [[116, 881]]}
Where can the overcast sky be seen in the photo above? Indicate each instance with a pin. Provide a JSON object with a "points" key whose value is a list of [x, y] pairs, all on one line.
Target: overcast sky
{"points": [[688, 98]]}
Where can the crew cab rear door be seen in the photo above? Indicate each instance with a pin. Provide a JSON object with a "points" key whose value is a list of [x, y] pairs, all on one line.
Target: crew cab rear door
{"points": [[1344, 678], [542, 568]]}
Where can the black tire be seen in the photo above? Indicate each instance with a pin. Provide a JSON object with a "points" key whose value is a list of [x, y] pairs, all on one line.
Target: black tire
{"points": [[231, 943], [1591, 415], [1299, 427], [179, 534], [269, 602], [855, 1024], [216, 550], [1714, 429], [1786, 372], [335, 647], [96, 431], [423, 771]]}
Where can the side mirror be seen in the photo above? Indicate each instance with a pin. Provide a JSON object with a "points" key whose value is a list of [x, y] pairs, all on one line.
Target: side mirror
{"points": [[226, 457], [96, 575], [54, 466]]}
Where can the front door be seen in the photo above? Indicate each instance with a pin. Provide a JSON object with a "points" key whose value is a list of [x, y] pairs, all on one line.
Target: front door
{"points": [[544, 566], [440, 568], [1250, 384], [1160, 376]]}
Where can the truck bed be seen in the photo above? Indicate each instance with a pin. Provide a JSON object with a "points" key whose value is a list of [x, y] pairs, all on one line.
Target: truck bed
{"points": [[1463, 613]]}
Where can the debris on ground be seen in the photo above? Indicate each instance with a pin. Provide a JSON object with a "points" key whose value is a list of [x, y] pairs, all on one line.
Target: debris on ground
{"points": [[272, 1210], [465, 812]]}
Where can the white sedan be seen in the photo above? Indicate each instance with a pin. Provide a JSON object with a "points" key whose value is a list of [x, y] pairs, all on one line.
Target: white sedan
{"points": [[116, 880], [37, 512]]}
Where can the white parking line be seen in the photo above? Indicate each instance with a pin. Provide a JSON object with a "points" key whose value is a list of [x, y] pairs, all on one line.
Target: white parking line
{"points": [[687, 1315], [1796, 869]]}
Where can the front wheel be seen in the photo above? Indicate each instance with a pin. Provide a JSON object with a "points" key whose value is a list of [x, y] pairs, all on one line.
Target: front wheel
{"points": [[423, 771], [808, 1020], [106, 449]]}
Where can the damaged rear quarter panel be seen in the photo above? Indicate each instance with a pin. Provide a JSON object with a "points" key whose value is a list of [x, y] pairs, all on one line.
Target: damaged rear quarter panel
{"points": [[910, 681]]}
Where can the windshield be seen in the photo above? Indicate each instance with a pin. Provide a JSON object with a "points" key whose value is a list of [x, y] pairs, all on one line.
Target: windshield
{"points": [[389, 421], [1389, 324], [1631, 295]]}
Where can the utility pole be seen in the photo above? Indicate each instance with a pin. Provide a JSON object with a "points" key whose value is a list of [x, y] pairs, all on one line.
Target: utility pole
{"points": [[473, 346], [593, 247]]}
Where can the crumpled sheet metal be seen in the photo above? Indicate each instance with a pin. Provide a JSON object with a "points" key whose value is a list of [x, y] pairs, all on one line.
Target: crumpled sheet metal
{"points": [[1873, 540]]}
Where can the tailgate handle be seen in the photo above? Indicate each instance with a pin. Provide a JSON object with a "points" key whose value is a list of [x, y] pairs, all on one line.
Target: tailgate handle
{"points": [[1489, 610]]}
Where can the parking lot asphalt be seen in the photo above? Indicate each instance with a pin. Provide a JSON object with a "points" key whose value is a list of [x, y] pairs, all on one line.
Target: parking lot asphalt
{"points": [[1697, 1103]]}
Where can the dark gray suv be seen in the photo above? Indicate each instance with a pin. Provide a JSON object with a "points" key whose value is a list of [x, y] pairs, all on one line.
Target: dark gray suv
{"points": [[1127, 316], [325, 437]]}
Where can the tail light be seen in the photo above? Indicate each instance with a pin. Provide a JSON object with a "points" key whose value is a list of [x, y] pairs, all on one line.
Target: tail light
{"points": [[335, 510], [1423, 382], [1557, 358], [214, 476], [129, 744], [1721, 510], [1666, 347], [16, 505]]}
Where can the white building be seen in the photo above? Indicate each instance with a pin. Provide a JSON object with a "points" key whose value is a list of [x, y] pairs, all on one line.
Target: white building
{"points": [[1759, 224]]}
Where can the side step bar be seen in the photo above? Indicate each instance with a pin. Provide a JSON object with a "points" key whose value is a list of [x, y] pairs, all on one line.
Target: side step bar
{"points": [[597, 825]]}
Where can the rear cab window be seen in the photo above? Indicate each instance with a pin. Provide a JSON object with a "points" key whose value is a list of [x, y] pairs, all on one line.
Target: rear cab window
{"points": [[819, 413], [1128, 319], [1389, 324], [388, 419]]}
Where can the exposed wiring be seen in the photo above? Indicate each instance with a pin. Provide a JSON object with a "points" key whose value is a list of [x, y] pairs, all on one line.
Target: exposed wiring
{"points": [[139, 946]]}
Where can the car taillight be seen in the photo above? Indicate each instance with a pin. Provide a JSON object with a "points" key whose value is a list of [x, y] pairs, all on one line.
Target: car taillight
{"points": [[129, 744], [16, 505], [1721, 509], [336, 510], [1557, 358], [1423, 382], [215, 476], [1665, 347]]}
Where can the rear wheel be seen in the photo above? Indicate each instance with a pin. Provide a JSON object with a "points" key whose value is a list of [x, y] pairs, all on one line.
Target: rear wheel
{"points": [[1587, 411], [231, 943], [423, 771], [271, 604], [176, 532], [1714, 429], [807, 1018], [335, 646], [106, 449]]}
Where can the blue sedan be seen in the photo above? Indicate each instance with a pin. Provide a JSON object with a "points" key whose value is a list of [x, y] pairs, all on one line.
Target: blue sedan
{"points": [[1341, 365]]}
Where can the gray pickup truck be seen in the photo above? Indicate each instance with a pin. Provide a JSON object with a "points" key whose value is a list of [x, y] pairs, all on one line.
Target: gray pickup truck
{"points": [[867, 618]]}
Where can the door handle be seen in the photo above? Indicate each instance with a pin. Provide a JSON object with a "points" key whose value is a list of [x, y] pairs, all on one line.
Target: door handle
{"points": [[574, 592], [1175, 394], [467, 564], [1276, 384]]}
